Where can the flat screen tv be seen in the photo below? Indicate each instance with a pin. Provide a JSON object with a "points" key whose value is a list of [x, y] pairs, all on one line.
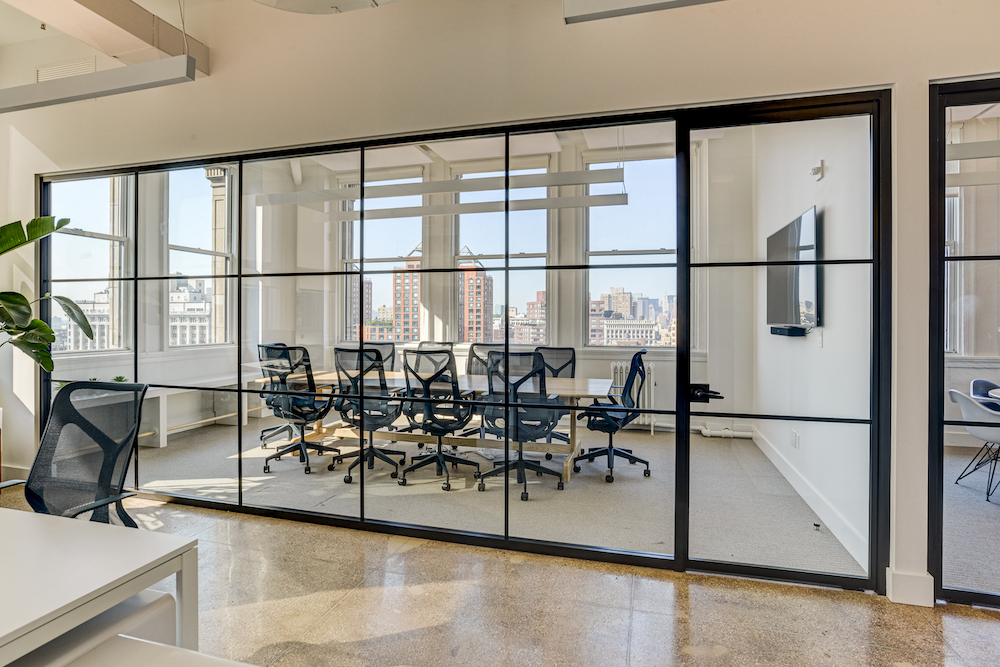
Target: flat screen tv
{"points": [[794, 290]]}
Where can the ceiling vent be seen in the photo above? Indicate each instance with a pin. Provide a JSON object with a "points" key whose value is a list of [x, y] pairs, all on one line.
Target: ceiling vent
{"points": [[323, 6], [64, 69]]}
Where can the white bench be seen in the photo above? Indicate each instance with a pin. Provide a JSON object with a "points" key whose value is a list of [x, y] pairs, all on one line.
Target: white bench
{"points": [[148, 615], [129, 652]]}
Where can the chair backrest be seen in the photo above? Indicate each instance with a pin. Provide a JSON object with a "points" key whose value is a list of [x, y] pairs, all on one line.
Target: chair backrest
{"points": [[431, 375], [636, 372], [560, 362], [982, 388], [388, 352], [354, 363], [509, 372], [86, 446], [435, 345], [286, 368], [974, 411], [476, 364]]}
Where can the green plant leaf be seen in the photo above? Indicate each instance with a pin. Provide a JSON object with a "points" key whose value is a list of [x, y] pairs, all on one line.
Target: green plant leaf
{"points": [[74, 313], [37, 351], [38, 332], [12, 235], [17, 306]]}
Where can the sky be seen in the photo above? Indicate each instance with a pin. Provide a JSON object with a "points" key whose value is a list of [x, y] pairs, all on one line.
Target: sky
{"points": [[647, 221]]}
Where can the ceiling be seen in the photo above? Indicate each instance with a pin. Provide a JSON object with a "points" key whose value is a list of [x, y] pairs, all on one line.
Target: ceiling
{"points": [[17, 27]]}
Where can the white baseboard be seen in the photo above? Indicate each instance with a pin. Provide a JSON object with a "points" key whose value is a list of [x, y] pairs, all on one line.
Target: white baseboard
{"points": [[909, 588], [855, 543], [13, 472]]}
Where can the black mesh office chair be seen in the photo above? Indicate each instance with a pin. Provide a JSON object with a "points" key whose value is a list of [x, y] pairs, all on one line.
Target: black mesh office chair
{"points": [[365, 407], [531, 415], [286, 429], [432, 392], [85, 449], [476, 364], [560, 362], [289, 371], [611, 417]]}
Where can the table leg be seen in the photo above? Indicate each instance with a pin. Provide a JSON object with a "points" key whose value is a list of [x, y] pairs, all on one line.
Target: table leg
{"points": [[187, 601], [568, 464]]}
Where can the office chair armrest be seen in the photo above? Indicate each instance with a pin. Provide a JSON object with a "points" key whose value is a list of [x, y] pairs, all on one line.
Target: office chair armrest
{"points": [[74, 512], [553, 397], [12, 482]]}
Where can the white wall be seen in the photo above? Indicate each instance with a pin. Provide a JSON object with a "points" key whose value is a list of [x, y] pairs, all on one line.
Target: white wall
{"points": [[283, 79], [796, 376]]}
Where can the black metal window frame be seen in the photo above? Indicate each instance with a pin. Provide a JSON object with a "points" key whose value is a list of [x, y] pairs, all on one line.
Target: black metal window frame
{"points": [[942, 96], [875, 104]]}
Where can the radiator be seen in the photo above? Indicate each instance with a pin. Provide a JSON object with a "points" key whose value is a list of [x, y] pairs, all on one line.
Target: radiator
{"points": [[645, 399]]}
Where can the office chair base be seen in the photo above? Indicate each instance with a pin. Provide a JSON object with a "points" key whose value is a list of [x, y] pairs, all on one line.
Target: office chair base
{"points": [[369, 455], [302, 449], [269, 433], [521, 466], [611, 452], [441, 460]]}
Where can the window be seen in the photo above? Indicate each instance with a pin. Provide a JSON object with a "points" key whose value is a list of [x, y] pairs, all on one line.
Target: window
{"points": [[633, 306], [95, 246]]}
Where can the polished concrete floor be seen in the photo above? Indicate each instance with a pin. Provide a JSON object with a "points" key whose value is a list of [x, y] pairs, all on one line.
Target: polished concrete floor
{"points": [[283, 593]]}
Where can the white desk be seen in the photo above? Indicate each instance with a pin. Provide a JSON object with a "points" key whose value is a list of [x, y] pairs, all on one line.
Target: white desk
{"points": [[56, 573]]}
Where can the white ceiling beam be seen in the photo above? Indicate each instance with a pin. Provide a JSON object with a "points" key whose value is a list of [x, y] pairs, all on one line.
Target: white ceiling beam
{"points": [[119, 28], [576, 11], [99, 84]]}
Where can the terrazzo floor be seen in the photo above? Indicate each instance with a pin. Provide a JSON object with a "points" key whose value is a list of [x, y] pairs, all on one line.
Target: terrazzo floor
{"points": [[283, 593]]}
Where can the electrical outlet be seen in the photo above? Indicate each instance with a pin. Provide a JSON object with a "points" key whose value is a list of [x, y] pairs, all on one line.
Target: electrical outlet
{"points": [[796, 440]]}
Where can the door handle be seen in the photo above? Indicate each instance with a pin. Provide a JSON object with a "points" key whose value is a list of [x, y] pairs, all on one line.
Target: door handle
{"points": [[700, 393]]}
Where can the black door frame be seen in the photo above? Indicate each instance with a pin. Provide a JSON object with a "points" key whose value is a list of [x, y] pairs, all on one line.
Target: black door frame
{"points": [[873, 103], [877, 104], [942, 96]]}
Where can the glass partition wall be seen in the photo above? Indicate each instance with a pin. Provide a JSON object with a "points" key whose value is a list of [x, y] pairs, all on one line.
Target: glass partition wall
{"points": [[965, 352], [481, 338]]}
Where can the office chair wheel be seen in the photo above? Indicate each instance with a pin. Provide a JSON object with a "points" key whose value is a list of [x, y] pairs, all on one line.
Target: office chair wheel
{"points": [[402, 481], [482, 486], [559, 486], [348, 479], [267, 469], [394, 474], [475, 474], [446, 486], [330, 467], [524, 495], [609, 478], [277, 458], [576, 468], [538, 473], [420, 445], [454, 466], [645, 473], [590, 459], [632, 463], [548, 456], [402, 461], [308, 470]]}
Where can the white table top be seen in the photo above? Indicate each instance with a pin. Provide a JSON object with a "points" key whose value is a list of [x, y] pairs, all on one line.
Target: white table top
{"points": [[50, 565]]}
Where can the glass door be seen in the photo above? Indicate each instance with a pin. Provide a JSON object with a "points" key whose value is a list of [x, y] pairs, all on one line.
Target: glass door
{"points": [[781, 346]]}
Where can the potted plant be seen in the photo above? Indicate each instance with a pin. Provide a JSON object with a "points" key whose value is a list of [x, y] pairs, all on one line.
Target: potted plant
{"points": [[25, 332]]}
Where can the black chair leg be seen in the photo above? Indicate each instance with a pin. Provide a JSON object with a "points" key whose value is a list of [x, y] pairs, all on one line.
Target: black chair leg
{"points": [[982, 457], [302, 449], [611, 452], [520, 465]]}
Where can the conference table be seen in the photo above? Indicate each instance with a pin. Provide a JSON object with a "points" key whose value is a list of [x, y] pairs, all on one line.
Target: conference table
{"points": [[56, 573], [474, 386]]}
